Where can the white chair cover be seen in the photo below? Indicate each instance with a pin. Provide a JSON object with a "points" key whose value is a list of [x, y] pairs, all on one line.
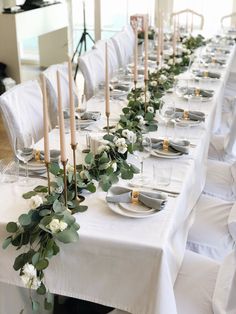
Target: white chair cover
{"points": [[22, 110], [113, 62], [209, 234], [92, 66], [51, 79], [221, 180], [223, 147], [203, 286], [124, 46], [194, 286], [224, 300], [232, 222], [230, 85]]}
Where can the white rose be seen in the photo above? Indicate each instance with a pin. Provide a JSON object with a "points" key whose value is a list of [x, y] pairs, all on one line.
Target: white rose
{"points": [[29, 276], [141, 120], [70, 168], [125, 133], [178, 60], [122, 149], [165, 67], [59, 190], [153, 83], [35, 201], [162, 78], [114, 166], [142, 98], [118, 127], [103, 148], [189, 51], [120, 142], [83, 175], [56, 225], [131, 137], [150, 109], [171, 61]]}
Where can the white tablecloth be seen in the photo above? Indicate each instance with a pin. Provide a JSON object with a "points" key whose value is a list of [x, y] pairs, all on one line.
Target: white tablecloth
{"points": [[130, 264]]}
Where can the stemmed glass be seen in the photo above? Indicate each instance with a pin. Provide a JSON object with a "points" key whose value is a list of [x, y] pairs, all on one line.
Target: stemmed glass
{"points": [[82, 108], [167, 112], [24, 150], [142, 149]]}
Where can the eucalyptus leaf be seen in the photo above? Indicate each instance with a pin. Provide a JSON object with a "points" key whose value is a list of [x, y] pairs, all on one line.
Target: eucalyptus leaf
{"points": [[89, 158], [45, 212], [42, 289], [35, 305], [69, 235], [41, 264], [24, 220], [54, 168], [91, 187], [41, 189], [11, 227], [6, 242], [28, 195], [35, 258], [58, 207]]}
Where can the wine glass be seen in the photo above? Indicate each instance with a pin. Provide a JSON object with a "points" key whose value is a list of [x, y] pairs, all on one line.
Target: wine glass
{"points": [[24, 151], [142, 149], [167, 112]]}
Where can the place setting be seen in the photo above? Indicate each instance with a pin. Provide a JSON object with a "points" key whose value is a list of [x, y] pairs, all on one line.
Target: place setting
{"points": [[194, 93], [209, 76], [135, 203]]}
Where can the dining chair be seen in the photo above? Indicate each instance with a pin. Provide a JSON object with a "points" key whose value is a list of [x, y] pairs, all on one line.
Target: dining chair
{"points": [[20, 300], [221, 180], [226, 17], [124, 45], [223, 147], [51, 82], [189, 16], [22, 111], [213, 232], [203, 286]]}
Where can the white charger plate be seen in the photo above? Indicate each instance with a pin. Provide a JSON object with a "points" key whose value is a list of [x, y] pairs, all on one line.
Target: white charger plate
{"points": [[120, 210]]}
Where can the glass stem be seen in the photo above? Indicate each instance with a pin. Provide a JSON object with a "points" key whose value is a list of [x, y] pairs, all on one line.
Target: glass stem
{"points": [[26, 171], [141, 162]]}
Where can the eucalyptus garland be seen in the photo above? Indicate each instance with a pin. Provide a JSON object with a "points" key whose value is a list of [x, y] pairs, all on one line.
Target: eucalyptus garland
{"points": [[48, 222]]}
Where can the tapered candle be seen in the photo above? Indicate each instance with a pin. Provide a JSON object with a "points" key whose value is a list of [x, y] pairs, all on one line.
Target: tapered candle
{"points": [[61, 120], [159, 39], [162, 33], [135, 52], [45, 120], [107, 90], [72, 105], [146, 48], [174, 37]]}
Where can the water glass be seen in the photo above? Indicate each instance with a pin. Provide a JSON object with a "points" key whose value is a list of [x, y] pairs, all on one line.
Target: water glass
{"points": [[162, 174]]}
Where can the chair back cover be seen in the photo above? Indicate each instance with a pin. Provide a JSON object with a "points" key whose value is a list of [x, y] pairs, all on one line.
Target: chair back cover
{"points": [[22, 110], [224, 300], [230, 139], [51, 80]]}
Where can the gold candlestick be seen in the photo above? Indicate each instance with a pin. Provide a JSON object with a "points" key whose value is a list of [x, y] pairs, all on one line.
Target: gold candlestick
{"points": [[47, 164], [65, 181], [108, 126], [145, 94], [75, 172]]}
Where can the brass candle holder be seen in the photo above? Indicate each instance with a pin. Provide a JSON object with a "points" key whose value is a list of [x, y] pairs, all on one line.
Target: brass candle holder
{"points": [[65, 181], [47, 164], [74, 146], [108, 124]]}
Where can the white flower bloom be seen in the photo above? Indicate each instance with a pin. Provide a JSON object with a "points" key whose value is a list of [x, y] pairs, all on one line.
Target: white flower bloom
{"points": [[70, 168], [131, 137], [56, 225], [171, 61], [114, 166], [103, 148], [59, 190], [162, 78], [153, 83], [178, 60], [29, 276], [165, 67], [125, 133], [115, 139], [122, 149], [142, 98], [83, 175], [35, 201], [141, 120], [150, 109], [188, 51]]}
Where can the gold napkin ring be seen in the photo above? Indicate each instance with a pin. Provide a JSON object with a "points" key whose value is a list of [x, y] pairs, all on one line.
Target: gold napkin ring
{"points": [[205, 74], [186, 115], [134, 197], [165, 144], [37, 155], [197, 92]]}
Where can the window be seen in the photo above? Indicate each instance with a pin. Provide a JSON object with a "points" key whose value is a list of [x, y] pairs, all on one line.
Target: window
{"points": [[212, 10]]}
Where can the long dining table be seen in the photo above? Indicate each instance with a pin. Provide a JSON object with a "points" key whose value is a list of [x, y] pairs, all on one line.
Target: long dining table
{"points": [[123, 262]]}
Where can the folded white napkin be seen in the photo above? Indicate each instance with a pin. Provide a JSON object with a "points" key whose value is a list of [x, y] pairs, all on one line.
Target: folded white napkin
{"points": [[119, 194], [181, 146]]}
